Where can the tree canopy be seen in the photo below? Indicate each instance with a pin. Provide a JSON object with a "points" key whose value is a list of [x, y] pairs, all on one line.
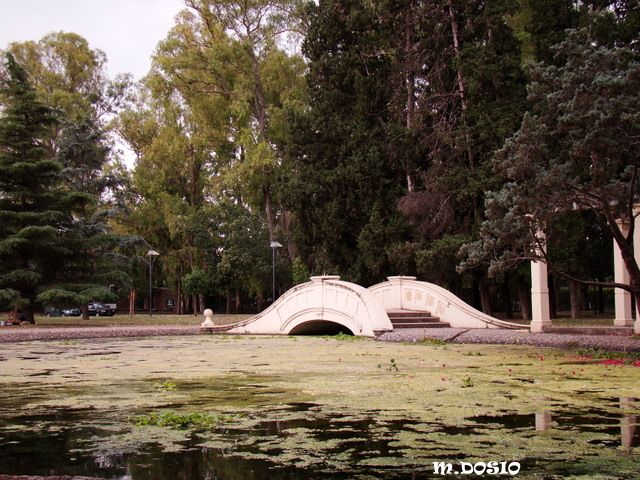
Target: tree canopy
{"points": [[577, 150], [41, 239], [370, 138]]}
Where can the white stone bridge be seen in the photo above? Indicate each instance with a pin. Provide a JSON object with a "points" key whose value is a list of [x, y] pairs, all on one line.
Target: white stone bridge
{"points": [[327, 305]]}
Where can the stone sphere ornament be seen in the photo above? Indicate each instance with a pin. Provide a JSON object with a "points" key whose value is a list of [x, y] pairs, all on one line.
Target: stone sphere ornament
{"points": [[208, 319]]}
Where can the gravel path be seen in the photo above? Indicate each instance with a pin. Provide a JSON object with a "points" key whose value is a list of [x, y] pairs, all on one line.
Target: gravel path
{"points": [[515, 337], [25, 334], [449, 335]]}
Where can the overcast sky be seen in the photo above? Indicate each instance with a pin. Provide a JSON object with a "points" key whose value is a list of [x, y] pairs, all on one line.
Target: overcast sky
{"points": [[126, 30]]}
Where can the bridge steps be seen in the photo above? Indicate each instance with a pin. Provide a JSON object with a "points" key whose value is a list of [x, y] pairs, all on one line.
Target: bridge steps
{"points": [[415, 319]]}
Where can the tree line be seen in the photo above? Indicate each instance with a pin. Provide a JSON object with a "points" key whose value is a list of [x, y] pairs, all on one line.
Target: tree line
{"points": [[435, 138]]}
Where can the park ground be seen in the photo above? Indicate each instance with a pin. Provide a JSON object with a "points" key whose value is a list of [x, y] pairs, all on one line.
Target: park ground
{"points": [[316, 407], [61, 328]]}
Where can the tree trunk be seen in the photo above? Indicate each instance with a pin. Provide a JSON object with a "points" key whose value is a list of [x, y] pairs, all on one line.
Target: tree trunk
{"points": [[600, 299], [554, 295], [228, 306], [201, 300], [268, 210], [410, 81], [524, 297], [238, 302], [460, 78], [196, 307], [463, 98], [28, 315], [292, 247], [485, 297], [574, 297], [132, 302], [506, 297], [85, 311], [260, 302], [180, 306], [260, 104]]}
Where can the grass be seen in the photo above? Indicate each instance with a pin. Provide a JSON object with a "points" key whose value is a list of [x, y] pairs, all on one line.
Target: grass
{"points": [[140, 319], [600, 354], [224, 319]]}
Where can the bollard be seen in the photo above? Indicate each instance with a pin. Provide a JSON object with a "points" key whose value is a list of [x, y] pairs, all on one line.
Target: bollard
{"points": [[208, 316]]}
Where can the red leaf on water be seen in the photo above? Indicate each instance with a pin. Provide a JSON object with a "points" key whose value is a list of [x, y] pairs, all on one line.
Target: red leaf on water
{"points": [[613, 361]]}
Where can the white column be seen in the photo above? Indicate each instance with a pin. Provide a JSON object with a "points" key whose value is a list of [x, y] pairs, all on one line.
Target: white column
{"points": [[539, 297], [636, 254], [540, 316], [621, 275]]}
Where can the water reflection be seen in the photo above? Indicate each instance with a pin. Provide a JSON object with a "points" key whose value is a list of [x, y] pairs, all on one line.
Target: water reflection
{"points": [[302, 441], [629, 430], [543, 421], [629, 425]]}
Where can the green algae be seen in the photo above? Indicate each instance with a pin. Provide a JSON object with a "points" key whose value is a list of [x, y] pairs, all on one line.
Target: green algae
{"points": [[325, 406], [183, 421]]}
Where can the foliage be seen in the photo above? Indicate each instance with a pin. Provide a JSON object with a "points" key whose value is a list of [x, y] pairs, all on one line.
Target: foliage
{"points": [[574, 150], [467, 382], [343, 337], [371, 156], [33, 210], [53, 242], [167, 385], [393, 366], [196, 282], [342, 189], [299, 271], [598, 353], [432, 341]]}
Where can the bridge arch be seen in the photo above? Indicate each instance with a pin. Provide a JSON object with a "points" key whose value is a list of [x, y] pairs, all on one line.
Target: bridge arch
{"points": [[319, 327], [407, 293], [325, 303]]}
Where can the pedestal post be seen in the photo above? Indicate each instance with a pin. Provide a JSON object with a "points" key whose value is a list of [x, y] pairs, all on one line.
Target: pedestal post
{"points": [[636, 254], [539, 297], [621, 275]]}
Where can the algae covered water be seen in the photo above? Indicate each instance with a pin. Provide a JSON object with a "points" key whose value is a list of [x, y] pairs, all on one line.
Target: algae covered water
{"points": [[289, 407]]}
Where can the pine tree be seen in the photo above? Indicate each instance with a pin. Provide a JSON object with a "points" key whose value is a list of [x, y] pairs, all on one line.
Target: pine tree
{"points": [[38, 234], [343, 188]]}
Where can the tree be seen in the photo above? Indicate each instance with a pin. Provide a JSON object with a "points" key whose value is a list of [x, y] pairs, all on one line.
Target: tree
{"points": [[339, 183], [229, 50], [178, 156], [38, 231], [70, 76], [577, 149]]}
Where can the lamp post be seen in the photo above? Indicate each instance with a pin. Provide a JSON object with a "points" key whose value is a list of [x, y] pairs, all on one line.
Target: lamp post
{"points": [[274, 244], [151, 254]]}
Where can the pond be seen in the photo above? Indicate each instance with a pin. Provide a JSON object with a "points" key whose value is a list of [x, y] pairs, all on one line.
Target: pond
{"points": [[308, 407]]}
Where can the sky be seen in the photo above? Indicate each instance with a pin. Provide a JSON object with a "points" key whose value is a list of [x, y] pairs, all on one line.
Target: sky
{"points": [[126, 30]]}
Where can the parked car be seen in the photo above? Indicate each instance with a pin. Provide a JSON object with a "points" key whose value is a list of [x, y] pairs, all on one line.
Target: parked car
{"points": [[52, 312], [100, 310], [71, 312]]}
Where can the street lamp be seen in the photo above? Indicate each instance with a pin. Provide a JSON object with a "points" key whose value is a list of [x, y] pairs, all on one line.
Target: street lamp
{"points": [[273, 246], [151, 254]]}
